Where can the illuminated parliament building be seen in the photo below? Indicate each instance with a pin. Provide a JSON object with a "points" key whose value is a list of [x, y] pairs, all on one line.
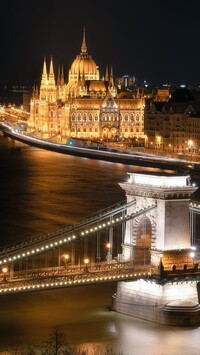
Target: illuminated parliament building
{"points": [[85, 106]]}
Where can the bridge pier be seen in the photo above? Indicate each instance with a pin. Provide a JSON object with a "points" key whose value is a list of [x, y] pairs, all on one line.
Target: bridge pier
{"points": [[171, 296], [169, 303]]}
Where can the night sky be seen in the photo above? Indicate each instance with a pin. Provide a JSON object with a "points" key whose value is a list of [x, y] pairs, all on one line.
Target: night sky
{"points": [[156, 41]]}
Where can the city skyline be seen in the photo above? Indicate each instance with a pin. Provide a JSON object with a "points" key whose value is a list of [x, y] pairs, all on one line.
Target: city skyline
{"points": [[151, 42]]}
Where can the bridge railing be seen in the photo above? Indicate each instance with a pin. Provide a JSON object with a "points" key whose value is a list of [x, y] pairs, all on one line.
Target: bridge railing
{"points": [[57, 278]]}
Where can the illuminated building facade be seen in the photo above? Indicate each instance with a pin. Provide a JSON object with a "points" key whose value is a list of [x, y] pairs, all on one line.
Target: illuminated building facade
{"points": [[173, 126], [85, 106]]}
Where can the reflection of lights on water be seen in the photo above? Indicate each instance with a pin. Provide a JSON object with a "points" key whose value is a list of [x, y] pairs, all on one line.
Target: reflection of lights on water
{"points": [[96, 348], [111, 328]]}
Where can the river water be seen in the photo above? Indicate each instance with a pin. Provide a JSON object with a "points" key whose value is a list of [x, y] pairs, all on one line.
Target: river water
{"points": [[40, 192]]}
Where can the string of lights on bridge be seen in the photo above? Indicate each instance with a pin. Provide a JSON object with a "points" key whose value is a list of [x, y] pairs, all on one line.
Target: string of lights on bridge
{"points": [[8, 289], [57, 244], [89, 280]]}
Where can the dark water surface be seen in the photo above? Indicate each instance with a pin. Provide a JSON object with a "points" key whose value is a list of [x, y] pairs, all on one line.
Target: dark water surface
{"points": [[40, 192]]}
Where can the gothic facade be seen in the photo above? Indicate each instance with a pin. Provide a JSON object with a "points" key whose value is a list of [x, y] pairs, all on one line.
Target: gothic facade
{"points": [[85, 106]]}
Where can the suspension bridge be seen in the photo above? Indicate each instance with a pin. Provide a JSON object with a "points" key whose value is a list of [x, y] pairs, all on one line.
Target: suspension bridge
{"points": [[94, 250]]}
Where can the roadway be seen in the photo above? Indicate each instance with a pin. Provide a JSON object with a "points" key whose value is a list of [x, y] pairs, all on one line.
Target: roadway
{"points": [[11, 116], [111, 155], [51, 278]]}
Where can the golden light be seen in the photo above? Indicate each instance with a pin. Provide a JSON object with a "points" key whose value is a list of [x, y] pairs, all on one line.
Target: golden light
{"points": [[192, 254], [193, 247], [86, 261], [66, 256], [4, 270], [161, 181], [158, 138], [108, 245], [190, 143]]}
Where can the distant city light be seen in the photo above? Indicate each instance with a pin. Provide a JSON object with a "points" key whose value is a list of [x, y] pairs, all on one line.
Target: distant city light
{"points": [[192, 254]]}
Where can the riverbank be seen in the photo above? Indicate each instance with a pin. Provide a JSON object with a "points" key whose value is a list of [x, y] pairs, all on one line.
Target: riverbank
{"points": [[128, 157]]}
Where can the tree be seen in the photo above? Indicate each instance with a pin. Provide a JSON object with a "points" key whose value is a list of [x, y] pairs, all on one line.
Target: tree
{"points": [[57, 344]]}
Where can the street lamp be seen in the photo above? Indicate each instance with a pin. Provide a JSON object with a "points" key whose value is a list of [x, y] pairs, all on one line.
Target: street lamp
{"points": [[109, 253], [66, 256], [86, 261], [151, 145], [4, 270], [145, 141], [190, 145], [192, 255], [138, 142], [158, 142]]}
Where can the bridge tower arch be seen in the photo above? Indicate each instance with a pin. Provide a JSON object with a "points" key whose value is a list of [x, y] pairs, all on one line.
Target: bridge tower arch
{"points": [[142, 238], [168, 223]]}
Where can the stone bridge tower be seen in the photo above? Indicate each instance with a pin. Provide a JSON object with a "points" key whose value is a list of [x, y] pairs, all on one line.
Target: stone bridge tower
{"points": [[171, 294], [164, 228]]}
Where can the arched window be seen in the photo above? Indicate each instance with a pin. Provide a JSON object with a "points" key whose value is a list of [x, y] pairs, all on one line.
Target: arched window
{"points": [[109, 103]]}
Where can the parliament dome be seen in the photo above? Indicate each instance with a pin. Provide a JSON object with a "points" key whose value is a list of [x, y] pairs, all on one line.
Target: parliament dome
{"points": [[84, 65]]}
